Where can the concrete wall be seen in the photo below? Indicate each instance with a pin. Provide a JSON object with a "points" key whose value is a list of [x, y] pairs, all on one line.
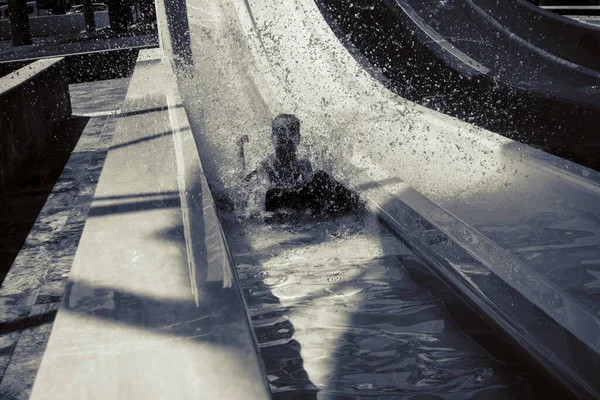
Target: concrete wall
{"points": [[56, 24], [33, 100], [568, 39], [181, 276]]}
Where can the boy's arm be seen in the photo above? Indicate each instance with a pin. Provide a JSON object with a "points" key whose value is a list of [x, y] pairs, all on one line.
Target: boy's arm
{"points": [[251, 175], [306, 169]]}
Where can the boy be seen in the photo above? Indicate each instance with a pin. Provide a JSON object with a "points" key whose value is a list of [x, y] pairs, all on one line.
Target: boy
{"points": [[292, 184]]}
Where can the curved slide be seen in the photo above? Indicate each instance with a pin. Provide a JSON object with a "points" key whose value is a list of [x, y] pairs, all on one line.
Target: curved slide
{"points": [[510, 67], [515, 230]]}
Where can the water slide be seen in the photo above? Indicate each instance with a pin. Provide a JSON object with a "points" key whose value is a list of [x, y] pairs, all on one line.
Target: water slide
{"points": [[510, 67], [512, 229]]}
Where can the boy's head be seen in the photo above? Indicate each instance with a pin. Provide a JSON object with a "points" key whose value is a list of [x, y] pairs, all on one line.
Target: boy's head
{"points": [[286, 132]]}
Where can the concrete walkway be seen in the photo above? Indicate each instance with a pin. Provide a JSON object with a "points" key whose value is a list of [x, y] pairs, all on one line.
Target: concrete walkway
{"points": [[152, 308], [33, 288]]}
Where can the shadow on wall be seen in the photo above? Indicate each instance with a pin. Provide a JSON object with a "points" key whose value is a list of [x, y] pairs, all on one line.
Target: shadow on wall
{"points": [[166, 316]]}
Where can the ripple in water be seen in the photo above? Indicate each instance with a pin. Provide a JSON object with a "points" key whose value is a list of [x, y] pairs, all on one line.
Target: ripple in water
{"points": [[336, 315]]}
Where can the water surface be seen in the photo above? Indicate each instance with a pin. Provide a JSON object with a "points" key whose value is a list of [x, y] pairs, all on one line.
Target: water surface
{"points": [[337, 315]]}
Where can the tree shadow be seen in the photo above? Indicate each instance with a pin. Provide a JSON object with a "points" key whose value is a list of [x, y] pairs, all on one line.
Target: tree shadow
{"points": [[275, 332], [210, 323]]}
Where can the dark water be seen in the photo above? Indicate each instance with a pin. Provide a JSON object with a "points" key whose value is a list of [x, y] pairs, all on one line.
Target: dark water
{"points": [[337, 315]]}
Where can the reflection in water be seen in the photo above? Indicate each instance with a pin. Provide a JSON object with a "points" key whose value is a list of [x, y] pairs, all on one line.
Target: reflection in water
{"points": [[336, 313]]}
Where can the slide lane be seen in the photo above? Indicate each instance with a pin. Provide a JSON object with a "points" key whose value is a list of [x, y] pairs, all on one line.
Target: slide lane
{"points": [[336, 313], [529, 217]]}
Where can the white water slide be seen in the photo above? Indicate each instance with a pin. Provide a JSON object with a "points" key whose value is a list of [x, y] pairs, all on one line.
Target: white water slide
{"points": [[514, 230]]}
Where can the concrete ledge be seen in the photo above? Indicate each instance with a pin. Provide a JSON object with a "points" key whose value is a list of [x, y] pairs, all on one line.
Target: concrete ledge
{"points": [[33, 288], [33, 100], [152, 309], [89, 66], [56, 24]]}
